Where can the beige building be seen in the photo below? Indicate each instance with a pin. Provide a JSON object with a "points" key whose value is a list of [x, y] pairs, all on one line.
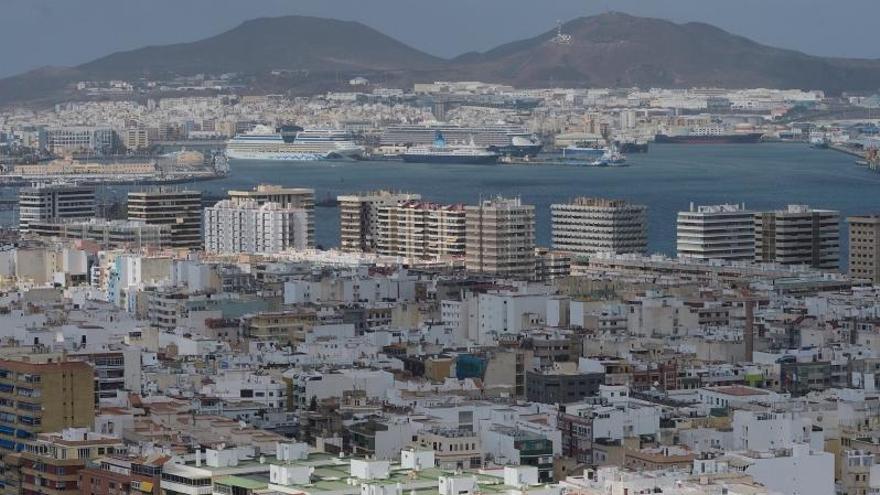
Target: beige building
{"points": [[500, 238], [453, 448], [798, 235], [41, 393], [287, 327], [70, 167], [288, 197], [136, 138], [182, 210], [592, 225], [864, 247], [419, 230], [359, 218], [55, 459]]}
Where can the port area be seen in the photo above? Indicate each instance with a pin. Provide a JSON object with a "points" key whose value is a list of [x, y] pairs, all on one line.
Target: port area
{"points": [[849, 150], [557, 159], [869, 158], [8, 180]]}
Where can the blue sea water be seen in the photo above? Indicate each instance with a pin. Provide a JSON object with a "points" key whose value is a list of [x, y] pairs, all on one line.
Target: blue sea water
{"points": [[667, 180]]}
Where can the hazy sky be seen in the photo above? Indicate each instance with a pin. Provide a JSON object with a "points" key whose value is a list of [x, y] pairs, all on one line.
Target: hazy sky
{"points": [[35, 33]]}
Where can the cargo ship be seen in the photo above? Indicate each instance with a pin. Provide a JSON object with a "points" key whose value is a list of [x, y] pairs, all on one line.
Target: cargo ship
{"points": [[632, 146], [440, 152], [708, 135]]}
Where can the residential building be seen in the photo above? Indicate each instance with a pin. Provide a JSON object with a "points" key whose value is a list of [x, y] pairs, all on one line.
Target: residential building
{"points": [[551, 265], [501, 238], [724, 232], [454, 448], [864, 247], [38, 396], [182, 210], [136, 138], [48, 203], [288, 197], [54, 460], [121, 475], [419, 230], [591, 225], [288, 327], [516, 446], [248, 227], [108, 234], [359, 218], [561, 384], [798, 235]]}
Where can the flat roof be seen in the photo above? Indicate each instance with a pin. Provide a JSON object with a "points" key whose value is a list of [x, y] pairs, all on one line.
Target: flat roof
{"points": [[738, 391]]}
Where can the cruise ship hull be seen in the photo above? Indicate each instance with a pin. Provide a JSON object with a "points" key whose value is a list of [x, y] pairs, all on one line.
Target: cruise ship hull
{"points": [[749, 138], [266, 156], [452, 159]]}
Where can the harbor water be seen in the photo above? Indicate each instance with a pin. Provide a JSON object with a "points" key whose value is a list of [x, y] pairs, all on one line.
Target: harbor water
{"points": [[667, 180]]}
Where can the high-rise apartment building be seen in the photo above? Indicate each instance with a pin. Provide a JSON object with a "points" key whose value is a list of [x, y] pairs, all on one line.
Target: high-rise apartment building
{"points": [[864, 247], [798, 235], [420, 230], [724, 232], [500, 238], [46, 393], [594, 225], [359, 218], [247, 227], [46, 203], [182, 210], [287, 197]]}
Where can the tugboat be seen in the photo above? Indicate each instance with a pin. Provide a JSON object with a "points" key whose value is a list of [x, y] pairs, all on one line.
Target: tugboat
{"points": [[611, 158]]}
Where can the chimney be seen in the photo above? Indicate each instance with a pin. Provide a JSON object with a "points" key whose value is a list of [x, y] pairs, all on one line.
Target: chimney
{"points": [[199, 456]]}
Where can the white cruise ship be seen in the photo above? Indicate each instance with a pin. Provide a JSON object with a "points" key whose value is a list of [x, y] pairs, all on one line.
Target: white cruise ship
{"points": [[263, 143]]}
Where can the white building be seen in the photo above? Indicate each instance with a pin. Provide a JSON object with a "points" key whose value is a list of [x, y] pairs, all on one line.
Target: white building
{"points": [[725, 232], [592, 225], [247, 227]]}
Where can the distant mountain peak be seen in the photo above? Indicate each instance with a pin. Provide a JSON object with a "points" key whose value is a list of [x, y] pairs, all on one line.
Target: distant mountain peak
{"points": [[606, 50]]}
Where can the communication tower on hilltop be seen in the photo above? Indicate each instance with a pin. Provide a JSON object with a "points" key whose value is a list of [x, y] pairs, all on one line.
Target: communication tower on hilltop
{"points": [[561, 38]]}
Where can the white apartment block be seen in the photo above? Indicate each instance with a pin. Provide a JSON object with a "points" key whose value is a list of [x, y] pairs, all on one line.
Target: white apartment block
{"points": [[724, 232], [593, 225], [798, 235], [288, 197], [420, 230], [501, 238], [359, 218], [246, 227]]}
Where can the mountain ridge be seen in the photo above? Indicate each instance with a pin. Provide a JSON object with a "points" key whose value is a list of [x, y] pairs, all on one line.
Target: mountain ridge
{"points": [[606, 50]]}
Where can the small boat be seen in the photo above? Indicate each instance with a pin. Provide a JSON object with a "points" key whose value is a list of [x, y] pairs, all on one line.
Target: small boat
{"points": [[611, 158]]}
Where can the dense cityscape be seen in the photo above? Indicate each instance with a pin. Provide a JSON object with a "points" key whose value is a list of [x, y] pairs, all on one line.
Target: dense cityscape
{"points": [[184, 309]]}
